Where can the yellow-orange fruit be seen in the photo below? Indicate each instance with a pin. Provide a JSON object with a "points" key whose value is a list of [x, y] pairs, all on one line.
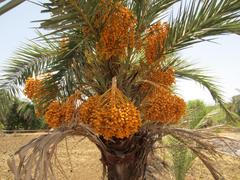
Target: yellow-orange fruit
{"points": [[64, 43], [119, 121], [32, 88], [69, 107], [155, 40], [35, 91], [162, 78], [59, 113], [86, 108], [53, 115], [163, 106], [118, 32], [110, 116]]}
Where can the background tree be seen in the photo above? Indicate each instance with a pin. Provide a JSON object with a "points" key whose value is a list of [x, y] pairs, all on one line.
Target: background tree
{"points": [[107, 70], [21, 115], [13, 120]]}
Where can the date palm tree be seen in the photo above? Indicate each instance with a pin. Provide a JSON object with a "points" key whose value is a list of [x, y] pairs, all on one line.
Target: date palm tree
{"points": [[118, 54]]}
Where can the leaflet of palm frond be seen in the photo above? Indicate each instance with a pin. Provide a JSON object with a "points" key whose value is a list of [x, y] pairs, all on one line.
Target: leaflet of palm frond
{"points": [[32, 59], [148, 11], [10, 5], [43, 169], [26, 110], [200, 19], [182, 158], [185, 70], [69, 15]]}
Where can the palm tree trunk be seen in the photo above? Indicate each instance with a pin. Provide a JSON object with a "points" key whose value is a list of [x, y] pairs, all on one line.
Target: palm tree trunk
{"points": [[127, 160], [129, 167]]}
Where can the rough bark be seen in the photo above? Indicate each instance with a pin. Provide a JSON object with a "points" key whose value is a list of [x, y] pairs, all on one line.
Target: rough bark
{"points": [[127, 160]]}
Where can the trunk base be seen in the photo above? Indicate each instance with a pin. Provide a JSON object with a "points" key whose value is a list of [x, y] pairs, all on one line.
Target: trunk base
{"points": [[126, 159]]}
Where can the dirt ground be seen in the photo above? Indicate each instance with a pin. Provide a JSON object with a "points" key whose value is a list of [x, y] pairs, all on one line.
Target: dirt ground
{"points": [[85, 164]]}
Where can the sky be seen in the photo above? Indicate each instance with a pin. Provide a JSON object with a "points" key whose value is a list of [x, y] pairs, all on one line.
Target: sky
{"points": [[220, 59]]}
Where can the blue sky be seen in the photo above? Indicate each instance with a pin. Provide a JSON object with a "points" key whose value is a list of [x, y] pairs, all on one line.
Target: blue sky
{"points": [[222, 60]]}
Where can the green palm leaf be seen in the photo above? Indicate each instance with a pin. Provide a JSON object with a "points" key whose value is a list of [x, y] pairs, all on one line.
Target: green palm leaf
{"points": [[200, 19], [32, 59], [10, 5], [185, 70], [69, 16], [148, 11]]}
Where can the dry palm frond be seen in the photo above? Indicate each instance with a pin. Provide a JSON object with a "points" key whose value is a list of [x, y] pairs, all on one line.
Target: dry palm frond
{"points": [[35, 159]]}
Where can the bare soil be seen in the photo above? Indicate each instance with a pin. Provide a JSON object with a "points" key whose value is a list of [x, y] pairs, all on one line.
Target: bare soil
{"points": [[85, 163]]}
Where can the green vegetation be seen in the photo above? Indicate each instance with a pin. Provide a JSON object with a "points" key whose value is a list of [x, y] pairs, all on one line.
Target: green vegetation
{"points": [[4, 104], [18, 114], [21, 115], [92, 49], [197, 110], [199, 115], [1, 126], [182, 157], [235, 106]]}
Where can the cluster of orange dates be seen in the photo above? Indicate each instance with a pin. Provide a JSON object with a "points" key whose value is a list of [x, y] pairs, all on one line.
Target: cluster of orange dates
{"points": [[59, 113], [118, 32], [112, 114], [34, 91], [155, 40], [163, 106]]}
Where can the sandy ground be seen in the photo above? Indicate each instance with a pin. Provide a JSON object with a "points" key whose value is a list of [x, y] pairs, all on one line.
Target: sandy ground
{"points": [[85, 164], [84, 157]]}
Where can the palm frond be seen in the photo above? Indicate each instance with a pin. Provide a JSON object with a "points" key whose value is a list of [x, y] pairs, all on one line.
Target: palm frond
{"points": [[201, 143], [26, 110], [182, 157], [200, 19], [32, 59], [37, 161], [197, 113], [66, 73], [72, 15], [148, 11], [69, 16], [10, 5], [189, 138], [188, 71]]}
